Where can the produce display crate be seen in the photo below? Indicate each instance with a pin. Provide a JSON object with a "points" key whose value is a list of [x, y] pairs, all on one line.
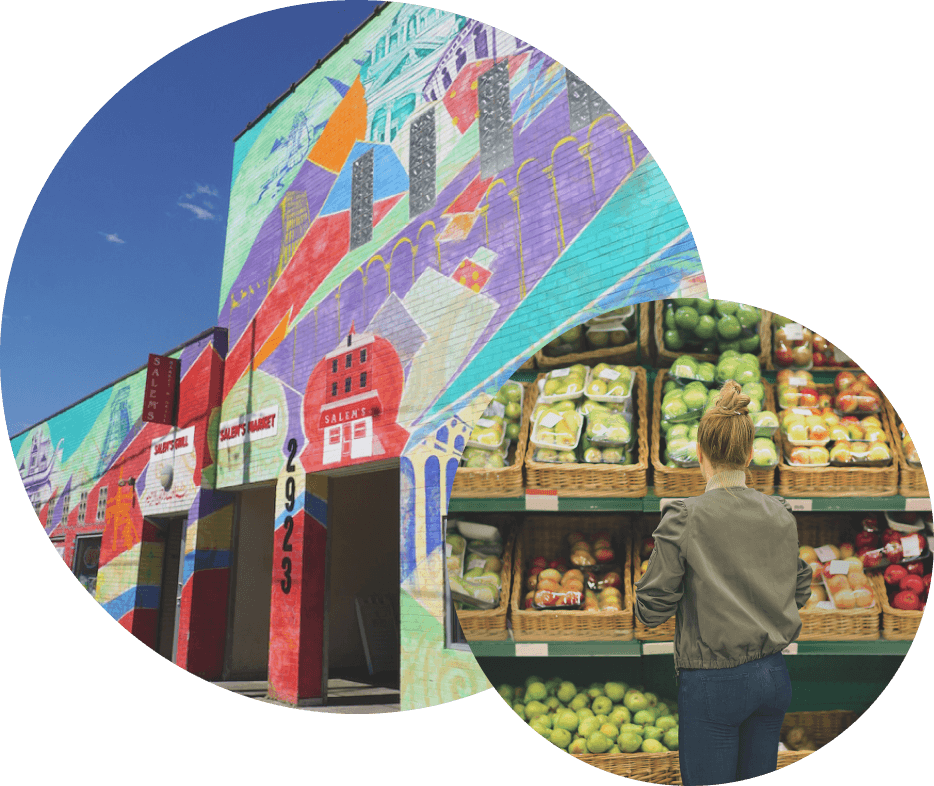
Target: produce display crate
{"points": [[665, 357], [505, 482], [490, 624], [600, 480], [770, 358], [646, 767], [643, 528], [833, 481], [547, 535], [636, 351], [843, 625], [897, 624], [911, 480], [689, 481]]}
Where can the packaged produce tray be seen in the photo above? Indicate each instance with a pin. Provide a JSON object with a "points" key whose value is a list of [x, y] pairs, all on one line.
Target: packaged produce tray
{"points": [[837, 625], [507, 481], [689, 481], [911, 480], [600, 480], [636, 351], [547, 536], [644, 526], [665, 357], [897, 624], [490, 625]]}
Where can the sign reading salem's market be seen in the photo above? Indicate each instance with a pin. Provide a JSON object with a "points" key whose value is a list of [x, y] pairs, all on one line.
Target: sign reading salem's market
{"points": [[161, 390], [249, 428]]}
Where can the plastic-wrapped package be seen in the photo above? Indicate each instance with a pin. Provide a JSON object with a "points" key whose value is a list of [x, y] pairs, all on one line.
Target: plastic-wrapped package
{"points": [[568, 343], [681, 405], [594, 454], [860, 454], [742, 368], [908, 445], [488, 433], [556, 590], [856, 394], [610, 384], [606, 333], [687, 369], [710, 326], [901, 549], [564, 384], [557, 430], [791, 344], [552, 456], [847, 586], [764, 453], [455, 547], [765, 422], [610, 429], [805, 428]]}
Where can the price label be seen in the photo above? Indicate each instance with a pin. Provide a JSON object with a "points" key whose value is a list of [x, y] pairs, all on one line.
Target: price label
{"points": [[486, 422], [448, 549], [551, 420], [911, 546], [794, 331], [497, 408], [801, 505], [610, 374], [839, 567], [658, 648], [559, 372], [918, 503], [802, 411], [797, 382], [824, 553], [824, 605], [791, 649], [541, 499], [531, 649]]}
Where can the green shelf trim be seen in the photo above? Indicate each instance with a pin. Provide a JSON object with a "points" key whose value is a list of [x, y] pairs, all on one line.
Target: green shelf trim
{"points": [[634, 649]]}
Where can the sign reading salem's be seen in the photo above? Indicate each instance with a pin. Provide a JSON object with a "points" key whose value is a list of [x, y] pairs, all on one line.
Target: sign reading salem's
{"points": [[176, 443], [249, 428], [161, 390]]}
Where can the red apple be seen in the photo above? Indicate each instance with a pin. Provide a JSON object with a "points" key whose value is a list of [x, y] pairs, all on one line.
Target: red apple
{"points": [[783, 356], [867, 381], [927, 581], [843, 380], [540, 562], [907, 601], [872, 559], [535, 571], [891, 536], [865, 540], [894, 574], [913, 583], [915, 568], [893, 552], [612, 579]]}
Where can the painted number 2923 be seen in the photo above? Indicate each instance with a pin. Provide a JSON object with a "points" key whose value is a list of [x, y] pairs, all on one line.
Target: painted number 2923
{"points": [[286, 582]]}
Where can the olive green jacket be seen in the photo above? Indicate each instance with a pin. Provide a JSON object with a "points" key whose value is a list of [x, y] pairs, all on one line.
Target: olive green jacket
{"points": [[726, 563]]}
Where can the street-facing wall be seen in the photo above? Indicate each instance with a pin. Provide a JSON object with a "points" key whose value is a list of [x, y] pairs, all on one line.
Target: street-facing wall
{"points": [[408, 224]]}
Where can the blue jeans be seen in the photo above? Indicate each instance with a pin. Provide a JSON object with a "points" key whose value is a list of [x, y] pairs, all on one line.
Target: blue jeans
{"points": [[729, 720]]}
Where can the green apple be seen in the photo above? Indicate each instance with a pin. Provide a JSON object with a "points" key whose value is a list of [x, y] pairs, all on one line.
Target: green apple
{"points": [[686, 318], [706, 327], [670, 739], [669, 318], [653, 733], [560, 737], [728, 328], [747, 315], [507, 692], [629, 742], [644, 717], [707, 372], [588, 726], [534, 691], [652, 746], [725, 307], [610, 730], [694, 399], [567, 719], [571, 335], [566, 692], [635, 701], [578, 747], [541, 725], [666, 722], [534, 708], [519, 709], [704, 305], [615, 691], [620, 715], [675, 408], [598, 742], [749, 343], [602, 705]]}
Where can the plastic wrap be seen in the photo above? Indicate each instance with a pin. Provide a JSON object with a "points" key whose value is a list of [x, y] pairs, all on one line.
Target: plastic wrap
{"points": [[742, 368], [564, 384], [610, 385], [764, 453], [860, 454], [681, 405], [686, 369], [557, 430], [710, 326], [601, 334]]}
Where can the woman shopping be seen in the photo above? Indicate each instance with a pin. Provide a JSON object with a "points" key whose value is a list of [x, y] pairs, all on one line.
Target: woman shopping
{"points": [[726, 564]]}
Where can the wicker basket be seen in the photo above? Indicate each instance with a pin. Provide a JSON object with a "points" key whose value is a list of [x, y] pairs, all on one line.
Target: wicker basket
{"points": [[505, 482], [600, 480], [821, 728], [689, 481], [490, 624], [844, 625], [646, 767], [529, 365], [547, 535], [643, 528], [634, 352], [897, 624], [770, 358], [665, 357], [911, 480]]}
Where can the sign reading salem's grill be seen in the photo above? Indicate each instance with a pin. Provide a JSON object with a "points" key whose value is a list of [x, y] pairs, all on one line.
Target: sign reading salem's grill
{"points": [[249, 428], [176, 443]]}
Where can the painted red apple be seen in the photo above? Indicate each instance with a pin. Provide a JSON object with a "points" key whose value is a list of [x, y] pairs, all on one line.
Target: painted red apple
{"points": [[894, 574], [907, 601]]}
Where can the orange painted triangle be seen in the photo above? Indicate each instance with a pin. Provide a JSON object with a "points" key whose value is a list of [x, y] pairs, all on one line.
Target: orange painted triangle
{"points": [[346, 125], [275, 339]]}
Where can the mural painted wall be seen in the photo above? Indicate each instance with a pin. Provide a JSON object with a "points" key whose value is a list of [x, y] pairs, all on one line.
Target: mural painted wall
{"points": [[96, 470], [418, 216]]}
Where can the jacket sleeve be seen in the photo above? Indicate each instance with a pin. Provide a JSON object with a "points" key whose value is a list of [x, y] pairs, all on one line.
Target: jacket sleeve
{"points": [[660, 589], [803, 588]]}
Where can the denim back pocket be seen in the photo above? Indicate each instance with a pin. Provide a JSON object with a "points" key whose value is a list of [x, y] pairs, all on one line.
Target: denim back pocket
{"points": [[727, 697], [782, 684]]}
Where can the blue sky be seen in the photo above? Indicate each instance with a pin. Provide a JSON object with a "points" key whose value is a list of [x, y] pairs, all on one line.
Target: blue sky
{"points": [[122, 253]]}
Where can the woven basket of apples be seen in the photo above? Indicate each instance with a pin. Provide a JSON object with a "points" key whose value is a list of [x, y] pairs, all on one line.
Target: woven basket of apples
{"points": [[794, 346], [572, 580], [617, 336], [805, 732], [828, 451], [497, 471], [640, 550], [622, 729], [843, 605]]}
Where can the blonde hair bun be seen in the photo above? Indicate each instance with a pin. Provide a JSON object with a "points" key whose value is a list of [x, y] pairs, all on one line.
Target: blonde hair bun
{"points": [[732, 400]]}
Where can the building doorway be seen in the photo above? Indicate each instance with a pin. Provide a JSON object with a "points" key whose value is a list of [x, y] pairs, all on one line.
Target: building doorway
{"points": [[247, 650], [170, 595]]}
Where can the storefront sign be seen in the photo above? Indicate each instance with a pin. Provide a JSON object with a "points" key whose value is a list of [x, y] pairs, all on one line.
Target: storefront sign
{"points": [[249, 428], [161, 390], [349, 411], [176, 443]]}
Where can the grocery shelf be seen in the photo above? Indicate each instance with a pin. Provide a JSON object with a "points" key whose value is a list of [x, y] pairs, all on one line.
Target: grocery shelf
{"points": [[513, 649], [543, 501]]}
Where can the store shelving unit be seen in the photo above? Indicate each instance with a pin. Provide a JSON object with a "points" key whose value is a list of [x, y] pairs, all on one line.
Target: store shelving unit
{"points": [[635, 649]]}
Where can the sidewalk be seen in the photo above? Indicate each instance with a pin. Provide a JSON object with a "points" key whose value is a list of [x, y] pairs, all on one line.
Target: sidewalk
{"points": [[346, 696]]}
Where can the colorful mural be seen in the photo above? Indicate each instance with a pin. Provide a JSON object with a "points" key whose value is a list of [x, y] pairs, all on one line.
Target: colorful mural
{"points": [[417, 217]]}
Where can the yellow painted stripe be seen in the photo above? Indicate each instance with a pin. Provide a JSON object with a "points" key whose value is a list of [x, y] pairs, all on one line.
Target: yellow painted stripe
{"points": [[213, 531], [118, 575]]}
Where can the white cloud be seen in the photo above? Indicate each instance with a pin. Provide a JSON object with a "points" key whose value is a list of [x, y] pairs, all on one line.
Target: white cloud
{"points": [[200, 212], [209, 190], [111, 237]]}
